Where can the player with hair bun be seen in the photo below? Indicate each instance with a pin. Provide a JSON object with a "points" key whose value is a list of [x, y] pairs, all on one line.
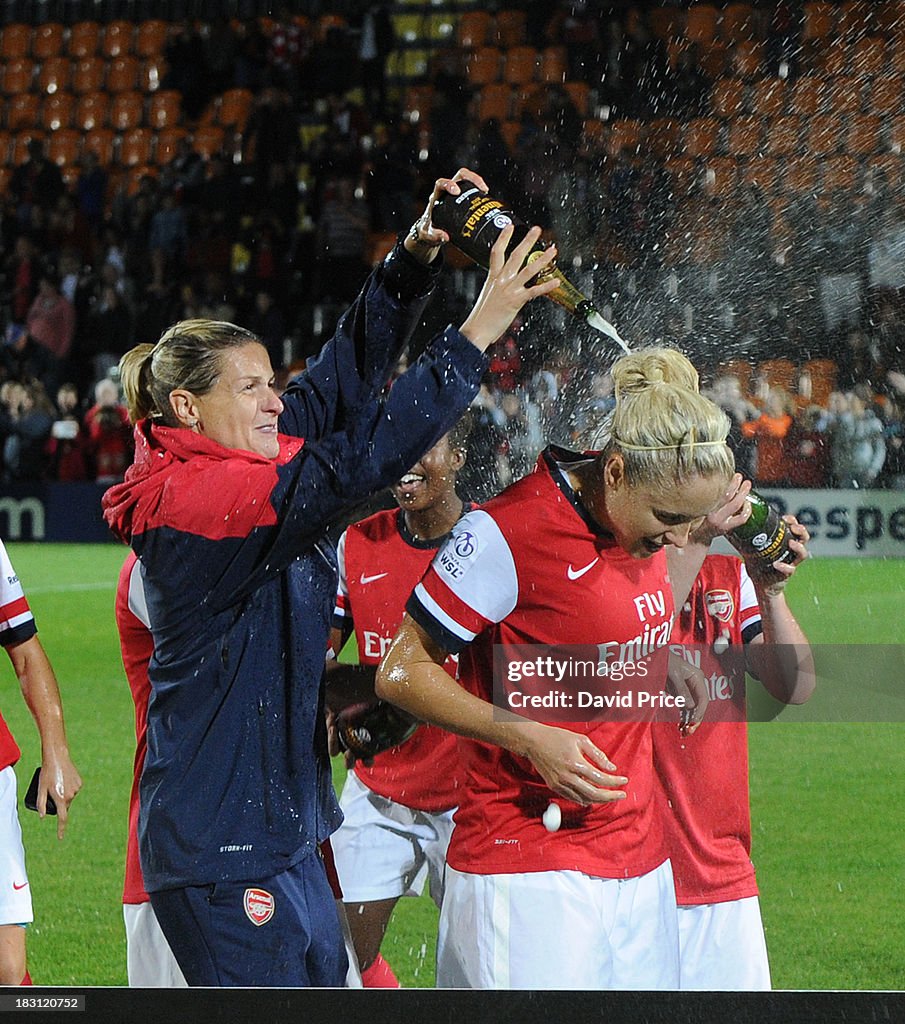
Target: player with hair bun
{"points": [[574, 553]]}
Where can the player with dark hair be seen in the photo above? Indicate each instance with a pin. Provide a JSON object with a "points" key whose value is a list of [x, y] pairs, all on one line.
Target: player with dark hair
{"points": [[59, 780], [735, 620], [398, 805]]}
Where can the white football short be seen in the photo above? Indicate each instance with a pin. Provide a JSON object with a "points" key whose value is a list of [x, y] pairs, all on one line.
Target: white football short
{"points": [[149, 960], [558, 930], [384, 849], [15, 892], [722, 947]]}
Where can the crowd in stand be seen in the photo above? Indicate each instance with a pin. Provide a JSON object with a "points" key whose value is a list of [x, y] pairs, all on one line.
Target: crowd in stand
{"points": [[278, 231]]}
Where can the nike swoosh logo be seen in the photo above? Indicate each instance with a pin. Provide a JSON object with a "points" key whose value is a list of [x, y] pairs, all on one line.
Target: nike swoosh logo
{"points": [[18, 887], [575, 574], [370, 579]]}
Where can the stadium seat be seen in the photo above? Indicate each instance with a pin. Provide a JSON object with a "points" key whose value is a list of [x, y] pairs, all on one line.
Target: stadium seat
{"points": [[700, 136], [482, 66], [91, 111], [853, 18], [769, 97], [626, 135], [88, 75], [84, 39], [844, 95], [510, 131], [22, 111], [64, 147], [168, 140], [47, 40], [494, 101], [748, 59], [682, 173], [553, 64], [151, 74], [868, 57], [761, 171], [824, 135], [417, 102], [738, 23], [122, 74], [666, 22], [800, 173], [700, 24], [117, 39], [520, 65], [18, 75], [885, 95], [823, 374], [474, 29], [819, 20], [714, 60], [579, 93], [164, 109], [806, 96], [54, 75], [509, 29], [778, 373], [101, 142], [839, 172], [864, 135], [151, 38], [21, 142], [132, 177], [127, 111], [57, 111], [744, 135], [6, 172], [15, 42], [783, 136], [720, 176], [135, 147], [208, 141], [235, 107], [727, 97], [664, 138]]}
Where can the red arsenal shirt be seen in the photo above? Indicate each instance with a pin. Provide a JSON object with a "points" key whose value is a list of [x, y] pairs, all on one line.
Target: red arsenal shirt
{"points": [[16, 624], [704, 777], [532, 568], [379, 564]]}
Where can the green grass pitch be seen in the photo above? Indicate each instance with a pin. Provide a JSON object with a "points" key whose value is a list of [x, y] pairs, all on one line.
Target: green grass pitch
{"points": [[826, 797]]}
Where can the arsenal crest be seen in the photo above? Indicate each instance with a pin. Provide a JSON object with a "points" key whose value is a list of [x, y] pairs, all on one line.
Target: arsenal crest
{"points": [[720, 605], [258, 906]]}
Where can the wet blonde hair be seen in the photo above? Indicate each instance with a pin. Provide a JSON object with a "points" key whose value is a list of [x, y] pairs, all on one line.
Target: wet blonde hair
{"points": [[663, 428], [187, 356]]}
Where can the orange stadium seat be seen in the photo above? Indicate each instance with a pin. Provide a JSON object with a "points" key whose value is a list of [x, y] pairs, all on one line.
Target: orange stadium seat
{"points": [[15, 42], [769, 96], [6, 144], [700, 136], [117, 40], [510, 131], [132, 177], [738, 23], [807, 93], [843, 95], [6, 172], [151, 73], [47, 41], [664, 138], [165, 109], [88, 75], [853, 18], [666, 22], [626, 135], [784, 135], [714, 60], [84, 39], [762, 171], [839, 172], [483, 65], [509, 28], [22, 111], [885, 94], [418, 101], [135, 147], [126, 111], [824, 135], [168, 140], [682, 173], [823, 378], [727, 97], [474, 29], [801, 173], [21, 142], [744, 137], [700, 24], [151, 38], [553, 64], [864, 135], [122, 74], [778, 373], [868, 57], [235, 108], [579, 93], [819, 20], [57, 111], [101, 142], [520, 65], [208, 141], [720, 176], [64, 147], [91, 111], [18, 76], [54, 75], [494, 101], [833, 60], [748, 58]]}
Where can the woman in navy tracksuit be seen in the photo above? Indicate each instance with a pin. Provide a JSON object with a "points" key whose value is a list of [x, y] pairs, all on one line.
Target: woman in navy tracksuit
{"points": [[227, 516]]}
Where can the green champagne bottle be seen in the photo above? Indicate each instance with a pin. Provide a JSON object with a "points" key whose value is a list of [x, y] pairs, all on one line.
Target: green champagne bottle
{"points": [[762, 539], [473, 220]]}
